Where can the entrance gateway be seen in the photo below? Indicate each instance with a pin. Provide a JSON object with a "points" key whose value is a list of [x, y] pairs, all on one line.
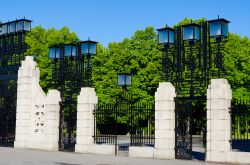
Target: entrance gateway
{"points": [[124, 123], [71, 71], [193, 56], [12, 52]]}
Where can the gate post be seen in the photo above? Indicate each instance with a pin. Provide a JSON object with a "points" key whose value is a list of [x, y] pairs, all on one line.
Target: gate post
{"points": [[37, 115], [86, 102], [219, 95], [165, 121], [24, 103]]}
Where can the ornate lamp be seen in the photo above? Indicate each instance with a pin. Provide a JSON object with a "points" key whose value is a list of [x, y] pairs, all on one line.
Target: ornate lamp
{"points": [[23, 25], [191, 32], [12, 27], [218, 28], [5, 28], [124, 79], [70, 50], [55, 53], [88, 47], [166, 36]]}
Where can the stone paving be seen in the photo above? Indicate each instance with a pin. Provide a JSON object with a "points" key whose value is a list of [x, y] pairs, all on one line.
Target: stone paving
{"points": [[11, 156]]}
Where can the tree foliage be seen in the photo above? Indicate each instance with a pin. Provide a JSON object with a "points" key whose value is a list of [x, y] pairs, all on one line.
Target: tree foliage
{"points": [[237, 64], [139, 55], [38, 41]]}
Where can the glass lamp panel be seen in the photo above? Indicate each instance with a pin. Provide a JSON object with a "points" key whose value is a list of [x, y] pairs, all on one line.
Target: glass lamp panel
{"points": [[163, 36], [52, 53], [13, 27], [73, 51], [224, 29], [67, 50], [197, 33], [215, 28], [58, 52], [171, 37], [84, 47], [121, 79], [20, 26], [128, 80], [27, 25], [92, 48], [5, 29], [188, 33]]}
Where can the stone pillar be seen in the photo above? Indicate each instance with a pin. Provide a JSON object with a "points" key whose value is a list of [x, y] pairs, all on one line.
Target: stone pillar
{"points": [[52, 118], [24, 103], [165, 121], [86, 102], [219, 95], [37, 115]]}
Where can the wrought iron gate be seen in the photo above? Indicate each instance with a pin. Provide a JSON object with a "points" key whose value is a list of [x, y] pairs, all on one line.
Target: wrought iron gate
{"points": [[124, 117], [240, 116], [183, 128], [12, 52], [190, 119], [7, 112], [67, 131]]}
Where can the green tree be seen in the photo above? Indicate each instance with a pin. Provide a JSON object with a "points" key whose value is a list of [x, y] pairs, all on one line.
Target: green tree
{"points": [[138, 55], [237, 64], [38, 41]]}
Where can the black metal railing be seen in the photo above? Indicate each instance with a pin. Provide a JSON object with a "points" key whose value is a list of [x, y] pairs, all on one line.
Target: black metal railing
{"points": [[240, 116], [142, 124], [124, 118], [105, 129]]}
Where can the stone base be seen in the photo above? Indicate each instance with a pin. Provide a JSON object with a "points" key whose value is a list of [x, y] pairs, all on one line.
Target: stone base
{"points": [[103, 149], [164, 154], [230, 157], [20, 144], [36, 145], [216, 156], [141, 152], [239, 157]]}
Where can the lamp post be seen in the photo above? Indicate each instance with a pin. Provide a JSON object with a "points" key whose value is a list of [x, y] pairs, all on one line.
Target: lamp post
{"points": [[12, 52], [189, 63], [193, 54], [124, 80], [71, 71], [88, 49], [12, 43]]}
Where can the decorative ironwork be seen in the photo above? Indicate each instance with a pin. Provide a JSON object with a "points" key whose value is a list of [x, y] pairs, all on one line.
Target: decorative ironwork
{"points": [[7, 112], [183, 128], [240, 116], [190, 63], [124, 116], [71, 71], [12, 52], [142, 116], [193, 55]]}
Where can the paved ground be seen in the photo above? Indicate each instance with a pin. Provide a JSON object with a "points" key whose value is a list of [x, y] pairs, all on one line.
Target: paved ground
{"points": [[11, 156]]}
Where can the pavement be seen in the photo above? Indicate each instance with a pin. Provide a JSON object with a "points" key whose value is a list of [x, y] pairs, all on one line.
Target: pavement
{"points": [[13, 156]]}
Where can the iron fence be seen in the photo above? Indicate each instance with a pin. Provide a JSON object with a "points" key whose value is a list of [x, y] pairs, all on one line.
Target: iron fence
{"points": [[142, 124], [240, 117], [134, 119]]}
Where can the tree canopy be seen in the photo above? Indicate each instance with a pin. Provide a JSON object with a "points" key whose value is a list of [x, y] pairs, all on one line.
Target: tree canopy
{"points": [[38, 41], [139, 55]]}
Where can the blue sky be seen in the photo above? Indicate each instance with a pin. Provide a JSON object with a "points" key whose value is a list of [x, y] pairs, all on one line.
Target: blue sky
{"points": [[112, 20]]}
